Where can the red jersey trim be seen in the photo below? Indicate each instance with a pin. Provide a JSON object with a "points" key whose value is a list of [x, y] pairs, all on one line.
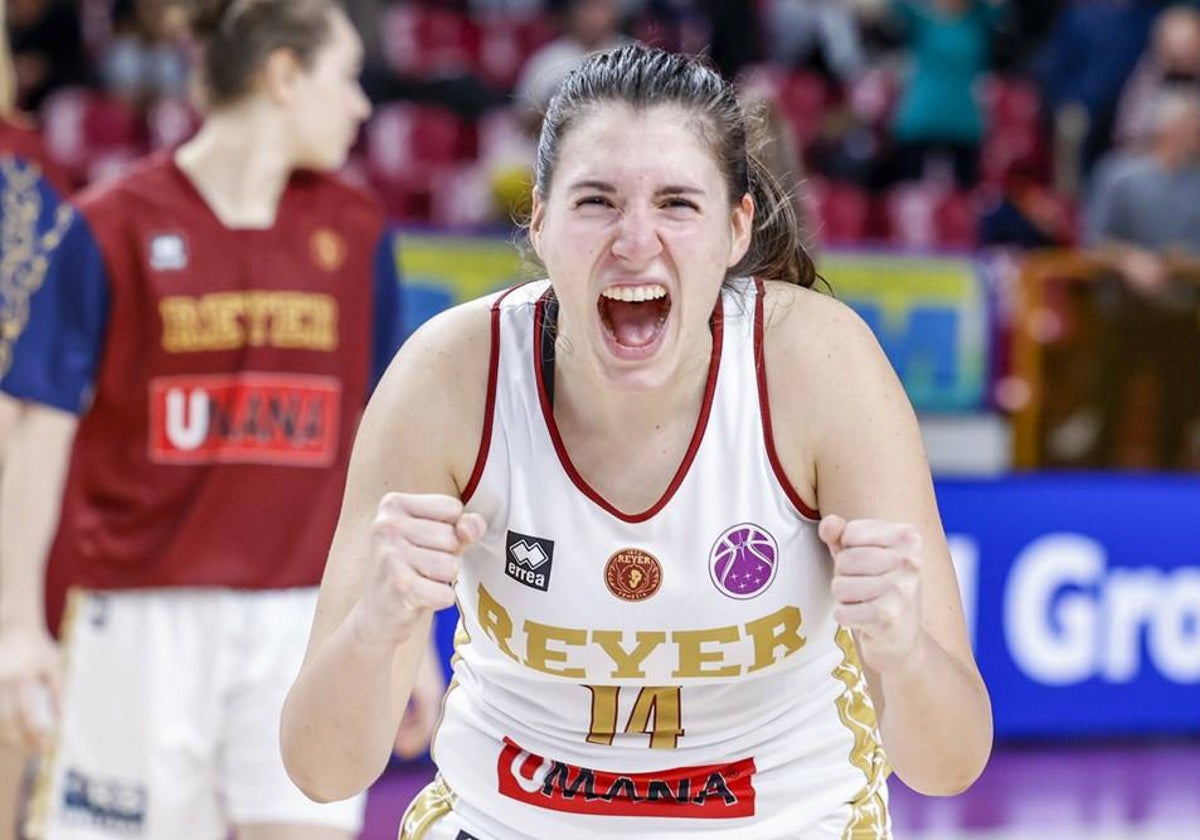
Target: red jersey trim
{"points": [[764, 409], [489, 411], [714, 365]]}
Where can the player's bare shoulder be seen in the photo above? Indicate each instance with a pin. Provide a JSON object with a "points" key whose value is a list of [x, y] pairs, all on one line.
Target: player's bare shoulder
{"points": [[810, 330], [823, 362], [433, 397]]}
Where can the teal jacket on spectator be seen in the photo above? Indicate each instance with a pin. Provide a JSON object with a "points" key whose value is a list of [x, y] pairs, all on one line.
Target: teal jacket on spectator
{"points": [[949, 54]]}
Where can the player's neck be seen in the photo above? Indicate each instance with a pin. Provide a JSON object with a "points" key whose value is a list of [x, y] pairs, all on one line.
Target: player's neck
{"points": [[237, 168], [590, 402]]}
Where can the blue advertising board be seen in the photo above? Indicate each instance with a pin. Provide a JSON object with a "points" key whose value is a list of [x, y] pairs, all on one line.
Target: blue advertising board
{"points": [[1083, 597]]}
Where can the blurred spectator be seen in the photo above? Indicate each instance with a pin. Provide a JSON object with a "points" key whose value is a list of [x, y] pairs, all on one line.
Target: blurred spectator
{"points": [[30, 190], [47, 48], [1015, 45], [453, 85], [727, 31], [1143, 219], [1025, 214], [588, 26], [819, 34], [1089, 55], [939, 120], [1173, 58], [146, 58]]}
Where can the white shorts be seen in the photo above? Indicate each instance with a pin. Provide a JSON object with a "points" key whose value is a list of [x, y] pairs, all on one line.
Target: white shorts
{"points": [[170, 724]]}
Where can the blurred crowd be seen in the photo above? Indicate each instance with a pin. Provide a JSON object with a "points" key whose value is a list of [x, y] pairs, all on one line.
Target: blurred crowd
{"points": [[923, 124], [945, 123]]}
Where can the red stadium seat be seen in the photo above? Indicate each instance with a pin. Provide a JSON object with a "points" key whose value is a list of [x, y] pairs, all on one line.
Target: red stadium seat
{"points": [[1005, 149], [463, 197], [840, 213], [955, 221], [1012, 103], [403, 136], [506, 43], [406, 196], [930, 215], [804, 99], [79, 125], [429, 42]]}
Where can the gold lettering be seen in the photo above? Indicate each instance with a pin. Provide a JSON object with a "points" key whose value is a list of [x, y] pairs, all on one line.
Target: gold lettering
{"points": [[779, 629], [692, 655], [231, 320], [604, 714], [538, 655], [257, 317], [496, 622], [179, 324], [287, 327], [628, 662], [324, 323], [661, 704]]}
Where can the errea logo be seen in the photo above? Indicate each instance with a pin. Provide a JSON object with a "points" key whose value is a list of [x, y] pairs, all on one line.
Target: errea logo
{"points": [[168, 252], [528, 560]]}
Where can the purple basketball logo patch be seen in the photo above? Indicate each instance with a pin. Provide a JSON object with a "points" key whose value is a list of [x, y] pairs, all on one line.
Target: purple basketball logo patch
{"points": [[743, 561]]}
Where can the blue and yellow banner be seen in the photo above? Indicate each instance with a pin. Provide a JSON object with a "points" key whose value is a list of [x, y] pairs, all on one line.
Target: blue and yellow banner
{"points": [[931, 314]]}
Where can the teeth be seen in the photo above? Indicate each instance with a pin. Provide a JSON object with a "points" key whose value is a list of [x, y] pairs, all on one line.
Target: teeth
{"points": [[635, 294]]}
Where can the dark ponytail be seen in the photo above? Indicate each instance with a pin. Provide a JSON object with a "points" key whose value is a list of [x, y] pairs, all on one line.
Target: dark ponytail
{"points": [[777, 249]]}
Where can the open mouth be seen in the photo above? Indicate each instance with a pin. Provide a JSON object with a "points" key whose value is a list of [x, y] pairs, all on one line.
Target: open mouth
{"points": [[634, 316]]}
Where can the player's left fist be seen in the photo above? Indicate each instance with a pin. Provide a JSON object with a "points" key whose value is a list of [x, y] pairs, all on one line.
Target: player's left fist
{"points": [[876, 587]]}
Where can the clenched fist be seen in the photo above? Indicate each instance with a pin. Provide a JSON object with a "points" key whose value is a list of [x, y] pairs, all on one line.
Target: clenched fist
{"points": [[416, 543], [876, 586]]}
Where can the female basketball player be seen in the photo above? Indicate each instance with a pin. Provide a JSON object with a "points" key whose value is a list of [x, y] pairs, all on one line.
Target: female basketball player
{"points": [[201, 348], [616, 474]]}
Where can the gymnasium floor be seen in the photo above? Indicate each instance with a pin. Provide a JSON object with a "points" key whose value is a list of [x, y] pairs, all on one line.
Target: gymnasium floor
{"points": [[1130, 791]]}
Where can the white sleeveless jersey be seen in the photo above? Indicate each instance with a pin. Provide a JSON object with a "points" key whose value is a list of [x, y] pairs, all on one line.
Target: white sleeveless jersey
{"points": [[676, 672]]}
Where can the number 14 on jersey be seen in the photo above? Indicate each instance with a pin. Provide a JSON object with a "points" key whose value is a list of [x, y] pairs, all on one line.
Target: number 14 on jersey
{"points": [[655, 712]]}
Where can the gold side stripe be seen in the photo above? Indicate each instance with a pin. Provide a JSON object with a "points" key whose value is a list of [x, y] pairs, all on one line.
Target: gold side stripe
{"points": [[869, 818], [24, 250], [433, 802], [43, 789]]}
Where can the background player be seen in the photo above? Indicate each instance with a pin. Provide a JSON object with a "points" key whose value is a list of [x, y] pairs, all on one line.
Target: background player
{"points": [[215, 318], [32, 220], [617, 407]]}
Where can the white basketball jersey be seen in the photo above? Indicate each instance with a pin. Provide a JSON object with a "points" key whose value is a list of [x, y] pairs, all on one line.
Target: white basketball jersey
{"points": [[674, 672]]}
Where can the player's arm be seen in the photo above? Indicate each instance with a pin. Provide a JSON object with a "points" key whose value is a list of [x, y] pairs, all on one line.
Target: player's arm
{"points": [[393, 559], [845, 427], [425, 702], [53, 364]]}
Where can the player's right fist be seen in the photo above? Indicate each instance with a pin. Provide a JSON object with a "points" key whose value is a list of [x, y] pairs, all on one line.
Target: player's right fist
{"points": [[416, 543]]}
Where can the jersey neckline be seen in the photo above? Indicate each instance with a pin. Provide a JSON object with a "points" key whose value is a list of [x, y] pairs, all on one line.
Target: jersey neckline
{"points": [[718, 331]]}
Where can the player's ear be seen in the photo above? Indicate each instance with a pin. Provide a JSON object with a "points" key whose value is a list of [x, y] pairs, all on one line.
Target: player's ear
{"points": [[279, 75], [537, 220]]}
